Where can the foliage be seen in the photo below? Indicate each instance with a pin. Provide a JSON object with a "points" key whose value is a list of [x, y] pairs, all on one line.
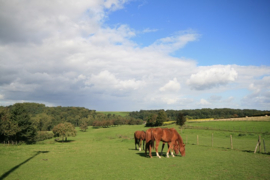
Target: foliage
{"points": [[162, 117], [180, 119], [16, 125], [151, 120], [43, 135], [64, 130], [84, 126], [202, 113]]}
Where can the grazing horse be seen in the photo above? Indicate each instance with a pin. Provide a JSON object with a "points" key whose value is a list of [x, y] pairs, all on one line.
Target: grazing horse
{"points": [[170, 136], [139, 136]]}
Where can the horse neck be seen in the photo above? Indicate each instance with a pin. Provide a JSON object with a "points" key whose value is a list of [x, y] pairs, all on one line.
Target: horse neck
{"points": [[180, 141]]}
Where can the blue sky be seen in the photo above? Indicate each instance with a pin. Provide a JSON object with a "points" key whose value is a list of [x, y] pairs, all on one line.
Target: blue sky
{"points": [[121, 55], [231, 32]]}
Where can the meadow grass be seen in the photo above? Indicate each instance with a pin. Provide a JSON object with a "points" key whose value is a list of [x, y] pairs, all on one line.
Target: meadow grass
{"points": [[242, 126], [109, 153], [120, 113]]}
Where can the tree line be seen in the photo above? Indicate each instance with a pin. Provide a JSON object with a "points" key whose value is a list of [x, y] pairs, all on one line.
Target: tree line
{"points": [[201, 113], [30, 122]]}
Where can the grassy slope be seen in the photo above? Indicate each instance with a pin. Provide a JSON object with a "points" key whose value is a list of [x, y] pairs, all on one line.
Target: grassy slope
{"points": [[108, 153]]}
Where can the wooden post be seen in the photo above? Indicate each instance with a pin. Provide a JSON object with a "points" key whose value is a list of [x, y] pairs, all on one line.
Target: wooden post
{"points": [[256, 147], [212, 139], [231, 142], [264, 146], [259, 140], [197, 139]]}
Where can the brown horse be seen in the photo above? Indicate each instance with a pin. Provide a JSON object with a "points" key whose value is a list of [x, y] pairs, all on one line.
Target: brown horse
{"points": [[139, 136], [170, 136]]}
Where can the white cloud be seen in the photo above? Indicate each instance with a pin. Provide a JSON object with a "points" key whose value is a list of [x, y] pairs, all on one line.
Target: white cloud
{"points": [[106, 80], [204, 102], [172, 43], [148, 30], [172, 85], [212, 77], [62, 53]]}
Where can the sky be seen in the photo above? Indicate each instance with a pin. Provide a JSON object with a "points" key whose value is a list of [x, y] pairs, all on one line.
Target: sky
{"points": [[131, 55]]}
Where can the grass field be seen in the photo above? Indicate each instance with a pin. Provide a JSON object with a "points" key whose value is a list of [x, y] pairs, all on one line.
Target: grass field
{"points": [[109, 153], [121, 113]]}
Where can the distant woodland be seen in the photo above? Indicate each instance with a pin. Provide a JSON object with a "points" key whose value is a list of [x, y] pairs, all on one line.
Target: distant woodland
{"points": [[27, 122], [201, 113]]}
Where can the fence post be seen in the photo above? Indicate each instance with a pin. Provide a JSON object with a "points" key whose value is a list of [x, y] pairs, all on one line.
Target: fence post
{"points": [[256, 147], [264, 146], [231, 142], [259, 143], [197, 139], [212, 139]]}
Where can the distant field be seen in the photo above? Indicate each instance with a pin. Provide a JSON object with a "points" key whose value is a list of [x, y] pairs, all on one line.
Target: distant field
{"points": [[240, 126], [121, 113], [109, 153]]}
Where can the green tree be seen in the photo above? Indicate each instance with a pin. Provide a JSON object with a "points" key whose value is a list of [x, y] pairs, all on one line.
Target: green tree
{"points": [[8, 128], [83, 126], [27, 131], [151, 121], [64, 130], [161, 117], [180, 120]]}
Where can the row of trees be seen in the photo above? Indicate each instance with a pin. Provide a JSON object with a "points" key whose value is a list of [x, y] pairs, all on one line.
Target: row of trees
{"points": [[201, 113], [116, 122], [16, 126], [157, 119], [45, 118]]}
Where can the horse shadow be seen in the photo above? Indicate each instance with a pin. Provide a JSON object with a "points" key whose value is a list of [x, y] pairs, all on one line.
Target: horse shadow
{"points": [[60, 141], [22, 163]]}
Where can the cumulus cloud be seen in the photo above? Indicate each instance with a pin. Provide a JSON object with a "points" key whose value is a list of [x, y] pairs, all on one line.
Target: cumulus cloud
{"points": [[212, 77], [172, 85], [106, 80], [62, 53], [204, 102]]}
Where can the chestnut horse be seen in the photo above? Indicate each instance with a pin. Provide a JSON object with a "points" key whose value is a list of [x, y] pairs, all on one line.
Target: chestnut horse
{"points": [[139, 136], [170, 136]]}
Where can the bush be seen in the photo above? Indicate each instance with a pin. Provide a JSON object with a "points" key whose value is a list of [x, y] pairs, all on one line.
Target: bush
{"points": [[43, 135]]}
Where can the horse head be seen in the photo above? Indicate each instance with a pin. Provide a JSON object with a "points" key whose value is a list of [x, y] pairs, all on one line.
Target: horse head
{"points": [[182, 149], [176, 148]]}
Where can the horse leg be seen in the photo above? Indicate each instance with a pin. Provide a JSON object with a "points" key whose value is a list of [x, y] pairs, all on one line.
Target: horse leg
{"points": [[157, 143], [170, 149], [140, 143], [161, 153], [143, 144], [135, 144], [150, 149]]}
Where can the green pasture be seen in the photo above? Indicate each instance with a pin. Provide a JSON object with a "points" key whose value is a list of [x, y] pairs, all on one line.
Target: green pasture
{"points": [[109, 153], [241, 126], [120, 113]]}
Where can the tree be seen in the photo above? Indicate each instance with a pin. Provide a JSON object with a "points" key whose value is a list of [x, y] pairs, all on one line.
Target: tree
{"points": [[161, 117], [180, 120], [151, 121], [84, 126], [27, 131], [64, 130], [8, 128]]}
